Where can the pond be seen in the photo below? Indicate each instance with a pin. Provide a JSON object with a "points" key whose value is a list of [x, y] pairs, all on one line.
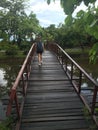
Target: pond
{"points": [[9, 69], [90, 68]]}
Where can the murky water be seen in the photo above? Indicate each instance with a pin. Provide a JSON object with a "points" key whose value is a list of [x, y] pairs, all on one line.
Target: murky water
{"points": [[9, 69], [91, 69]]}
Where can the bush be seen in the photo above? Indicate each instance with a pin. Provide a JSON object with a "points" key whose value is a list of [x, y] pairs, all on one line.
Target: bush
{"points": [[25, 47], [3, 45], [7, 124], [12, 50]]}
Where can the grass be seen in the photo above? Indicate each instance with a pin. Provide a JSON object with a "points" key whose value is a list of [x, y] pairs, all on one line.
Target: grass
{"points": [[4, 56], [7, 124], [91, 123], [77, 51]]}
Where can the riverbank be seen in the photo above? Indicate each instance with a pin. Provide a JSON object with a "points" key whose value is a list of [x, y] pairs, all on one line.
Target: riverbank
{"points": [[72, 51], [78, 51], [3, 56]]}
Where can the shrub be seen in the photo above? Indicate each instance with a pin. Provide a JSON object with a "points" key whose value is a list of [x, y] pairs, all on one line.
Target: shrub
{"points": [[3, 45], [12, 50], [25, 47], [7, 124]]}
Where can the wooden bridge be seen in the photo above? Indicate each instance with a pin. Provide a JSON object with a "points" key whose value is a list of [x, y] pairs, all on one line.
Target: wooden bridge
{"points": [[51, 97]]}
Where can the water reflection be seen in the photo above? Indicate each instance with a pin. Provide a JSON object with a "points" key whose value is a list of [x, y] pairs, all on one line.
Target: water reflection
{"points": [[97, 79], [84, 85], [2, 111], [3, 82], [8, 72], [91, 69]]}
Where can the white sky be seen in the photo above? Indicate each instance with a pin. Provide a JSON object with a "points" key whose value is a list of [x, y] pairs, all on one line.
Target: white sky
{"points": [[49, 14]]}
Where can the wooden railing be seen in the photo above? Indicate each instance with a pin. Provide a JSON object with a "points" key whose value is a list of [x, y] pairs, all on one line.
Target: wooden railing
{"points": [[18, 90], [78, 76]]}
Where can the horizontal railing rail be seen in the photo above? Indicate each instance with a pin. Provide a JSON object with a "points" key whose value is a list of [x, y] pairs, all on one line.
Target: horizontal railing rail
{"points": [[18, 90], [85, 86]]}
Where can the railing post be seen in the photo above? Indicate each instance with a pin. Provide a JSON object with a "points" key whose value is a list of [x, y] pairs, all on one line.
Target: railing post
{"points": [[17, 106], [71, 71], [94, 100], [27, 72], [23, 75], [66, 64], [80, 80], [9, 107], [62, 59]]}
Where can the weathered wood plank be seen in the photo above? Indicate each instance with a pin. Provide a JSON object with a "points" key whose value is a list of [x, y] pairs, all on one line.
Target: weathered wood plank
{"points": [[56, 125]]}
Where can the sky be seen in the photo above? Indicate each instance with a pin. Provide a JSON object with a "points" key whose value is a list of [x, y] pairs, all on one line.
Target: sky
{"points": [[49, 14]]}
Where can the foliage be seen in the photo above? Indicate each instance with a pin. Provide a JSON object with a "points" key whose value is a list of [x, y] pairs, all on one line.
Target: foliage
{"points": [[25, 47], [15, 22], [89, 120], [93, 53], [3, 45], [6, 124], [12, 50], [92, 18], [70, 5], [11, 12], [50, 33], [83, 28]]}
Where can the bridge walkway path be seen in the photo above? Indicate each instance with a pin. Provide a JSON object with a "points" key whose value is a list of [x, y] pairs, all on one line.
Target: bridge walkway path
{"points": [[51, 102]]}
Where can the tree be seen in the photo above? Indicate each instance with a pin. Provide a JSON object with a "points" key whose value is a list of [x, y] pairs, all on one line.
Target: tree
{"points": [[11, 10], [14, 21], [89, 23], [70, 5]]}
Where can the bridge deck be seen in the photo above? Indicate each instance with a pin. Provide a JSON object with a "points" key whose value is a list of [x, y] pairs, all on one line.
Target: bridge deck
{"points": [[51, 102]]}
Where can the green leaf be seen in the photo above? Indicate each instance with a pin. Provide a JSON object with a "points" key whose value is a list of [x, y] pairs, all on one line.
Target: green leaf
{"points": [[68, 20], [80, 13], [94, 23], [93, 53], [48, 2]]}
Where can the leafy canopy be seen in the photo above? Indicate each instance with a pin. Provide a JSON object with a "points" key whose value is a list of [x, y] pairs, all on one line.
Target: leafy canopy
{"points": [[70, 5]]}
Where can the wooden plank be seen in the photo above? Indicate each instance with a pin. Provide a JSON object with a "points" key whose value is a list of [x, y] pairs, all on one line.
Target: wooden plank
{"points": [[56, 125]]}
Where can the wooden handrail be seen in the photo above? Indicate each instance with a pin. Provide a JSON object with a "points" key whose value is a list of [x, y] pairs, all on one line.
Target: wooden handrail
{"points": [[81, 69], [21, 81], [63, 56]]}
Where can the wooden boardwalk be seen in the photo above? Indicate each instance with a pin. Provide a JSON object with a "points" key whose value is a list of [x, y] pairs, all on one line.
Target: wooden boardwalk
{"points": [[51, 102]]}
